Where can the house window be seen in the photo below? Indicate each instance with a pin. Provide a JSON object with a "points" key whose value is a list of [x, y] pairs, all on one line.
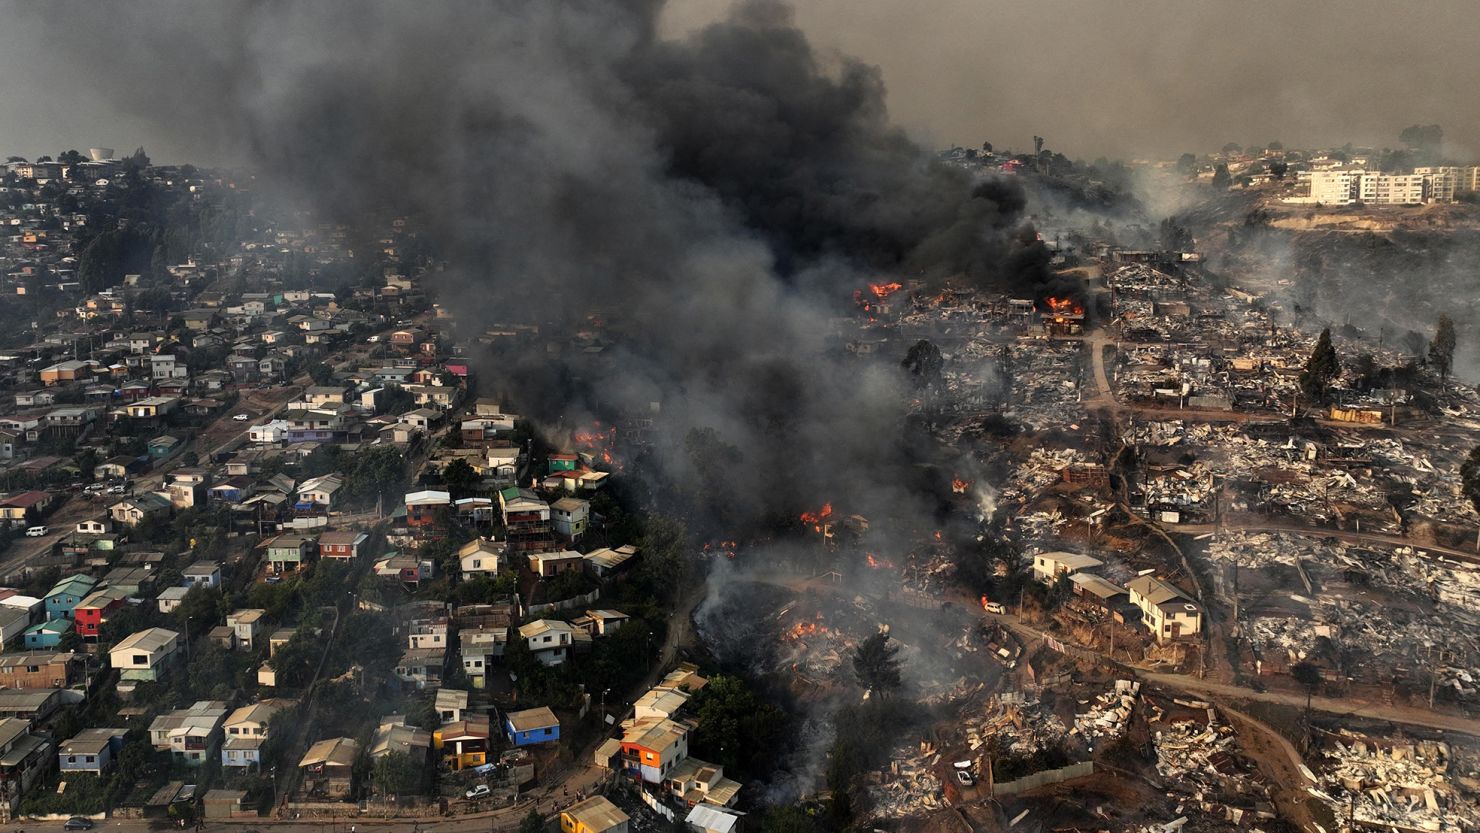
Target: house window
{"points": [[71, 759], [91, 759], [140, 659]]}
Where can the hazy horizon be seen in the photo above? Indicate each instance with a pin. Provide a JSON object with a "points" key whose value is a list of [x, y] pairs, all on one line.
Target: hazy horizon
{"points": [[1132, 79]]}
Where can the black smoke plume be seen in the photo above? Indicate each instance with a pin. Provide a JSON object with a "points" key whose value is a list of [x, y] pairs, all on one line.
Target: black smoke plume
{"points": [[719, 196]]}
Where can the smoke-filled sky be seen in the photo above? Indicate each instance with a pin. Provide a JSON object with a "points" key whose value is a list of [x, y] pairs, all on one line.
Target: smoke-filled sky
{"points": [[1154, 78], [1129, 78], [719, 194]]}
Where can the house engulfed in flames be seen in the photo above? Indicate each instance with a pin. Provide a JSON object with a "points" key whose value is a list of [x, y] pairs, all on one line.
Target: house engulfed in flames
{"points": [[1064, 317], [875, 299]]}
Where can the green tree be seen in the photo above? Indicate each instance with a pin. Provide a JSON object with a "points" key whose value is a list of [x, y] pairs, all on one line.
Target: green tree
{"points": [[321, 373], [876, 665], [1321, 369], [460, 478], [1186, 164], [200, 610], [1221, 179], [1279, 169], [1441, 349], [789, 819], [396, 774], [379, 472], [736, 728], [533, 822], [664, 545]]}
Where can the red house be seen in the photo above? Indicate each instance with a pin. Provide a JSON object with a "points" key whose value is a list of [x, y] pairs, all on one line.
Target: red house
{"points": [[92, 612], [342, 545], [425, 508]]}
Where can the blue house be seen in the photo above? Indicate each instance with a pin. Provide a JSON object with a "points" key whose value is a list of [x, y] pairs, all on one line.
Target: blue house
{"points": [[62, 599], [90, 750], [532, 726], [48, 634]]}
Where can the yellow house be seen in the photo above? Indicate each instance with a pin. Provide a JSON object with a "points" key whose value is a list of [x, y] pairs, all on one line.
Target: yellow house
{"points": [[594, 815], [463, 744]]}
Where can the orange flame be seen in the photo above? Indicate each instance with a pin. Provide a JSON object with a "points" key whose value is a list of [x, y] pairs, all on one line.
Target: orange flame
{"points": [[937, 535], [819, 518], [802, 629], [984, 602], [1063, 306], [875, 563], [884, 290], [960, 486]]}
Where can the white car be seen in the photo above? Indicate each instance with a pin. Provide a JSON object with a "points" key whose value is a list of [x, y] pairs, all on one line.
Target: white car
{"points": [[241, 417], [480, 791], [36, 532]]}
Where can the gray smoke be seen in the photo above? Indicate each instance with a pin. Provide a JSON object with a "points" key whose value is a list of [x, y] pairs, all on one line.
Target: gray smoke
{"points": [[715, 196]]}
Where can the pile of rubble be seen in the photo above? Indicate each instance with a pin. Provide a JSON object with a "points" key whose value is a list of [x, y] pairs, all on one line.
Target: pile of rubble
{"points": [[1202, 759], [1043, 468], [909, 787], [1380, 609], [1019, 723], [815, 646], [1108, 713], [1046, 385], [1404, 784]]}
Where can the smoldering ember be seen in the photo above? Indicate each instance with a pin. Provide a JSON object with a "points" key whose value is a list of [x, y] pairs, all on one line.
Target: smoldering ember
{"points": [[605, 417]]}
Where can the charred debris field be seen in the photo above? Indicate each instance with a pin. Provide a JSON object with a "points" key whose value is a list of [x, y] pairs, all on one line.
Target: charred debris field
{"points": [[603, 417]]}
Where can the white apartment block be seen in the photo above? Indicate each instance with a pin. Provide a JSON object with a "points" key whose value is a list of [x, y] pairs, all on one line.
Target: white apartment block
{"points": [[1446, 182], [1335, 187], [1392, 189], [1349, 185]]}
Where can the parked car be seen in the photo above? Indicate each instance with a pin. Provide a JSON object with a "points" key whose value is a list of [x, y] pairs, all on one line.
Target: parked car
{"points": [[78, 823], [36, 532], [480, 791], [995, 607], [241, 417]]}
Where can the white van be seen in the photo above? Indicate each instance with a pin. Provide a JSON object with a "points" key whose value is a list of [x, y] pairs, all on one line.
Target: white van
{"points": [[994, 607], [36, 532]]}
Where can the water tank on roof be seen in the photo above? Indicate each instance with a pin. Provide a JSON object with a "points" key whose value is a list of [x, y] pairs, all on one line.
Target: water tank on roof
{"points": [[100, 154]]}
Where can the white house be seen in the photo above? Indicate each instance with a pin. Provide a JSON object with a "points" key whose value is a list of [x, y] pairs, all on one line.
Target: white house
{"points": [[170, 598], [481, 557], [1048, 566], [1166, 611], [205, 574], [143, 656], [548, 639], [319, 491], [268, 433]]}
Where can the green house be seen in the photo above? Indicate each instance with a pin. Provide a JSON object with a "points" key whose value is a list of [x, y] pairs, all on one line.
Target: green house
{"points": [[287, 553]]}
